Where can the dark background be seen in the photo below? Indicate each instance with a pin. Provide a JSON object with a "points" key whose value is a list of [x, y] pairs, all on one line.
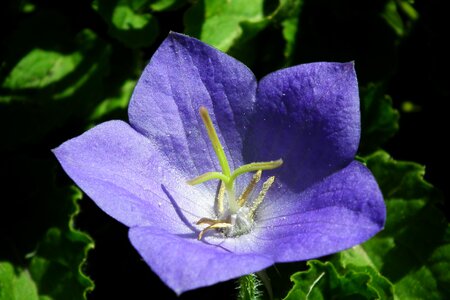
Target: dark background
{"points": [[415, 69], [418, 76]]}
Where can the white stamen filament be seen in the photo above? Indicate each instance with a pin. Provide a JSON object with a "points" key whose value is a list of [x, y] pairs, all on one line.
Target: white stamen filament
{"points": [[244, 196], [219, 199], [266, 186]]}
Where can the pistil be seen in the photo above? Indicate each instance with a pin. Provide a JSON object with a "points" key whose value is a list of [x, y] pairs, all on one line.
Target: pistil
{"points": [[232, 217]]}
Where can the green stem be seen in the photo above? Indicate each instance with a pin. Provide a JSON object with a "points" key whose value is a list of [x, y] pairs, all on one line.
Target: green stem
{"points": [[249, 288]]}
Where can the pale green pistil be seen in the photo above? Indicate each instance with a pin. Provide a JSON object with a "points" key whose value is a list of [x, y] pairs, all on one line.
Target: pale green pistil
{"points": [[234, 216]]}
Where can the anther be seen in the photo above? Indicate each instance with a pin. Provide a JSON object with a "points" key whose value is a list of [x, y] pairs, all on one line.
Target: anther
{"points": [[266, 186], [244, 196], [213, 224], [219, 199], [207, 221]]}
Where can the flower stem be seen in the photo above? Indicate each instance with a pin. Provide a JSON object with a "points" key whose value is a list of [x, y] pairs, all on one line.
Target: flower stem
{"points": [[249, 288]]}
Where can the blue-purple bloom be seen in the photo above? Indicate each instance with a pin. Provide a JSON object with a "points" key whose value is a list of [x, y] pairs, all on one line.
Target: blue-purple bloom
{"points": [[322, 201]]}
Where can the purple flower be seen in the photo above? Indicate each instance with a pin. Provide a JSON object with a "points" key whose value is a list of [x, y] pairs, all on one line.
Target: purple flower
{"points": [[320, 201]]}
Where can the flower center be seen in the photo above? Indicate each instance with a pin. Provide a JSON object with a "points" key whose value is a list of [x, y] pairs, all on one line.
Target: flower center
{"points": [[233, 216]]}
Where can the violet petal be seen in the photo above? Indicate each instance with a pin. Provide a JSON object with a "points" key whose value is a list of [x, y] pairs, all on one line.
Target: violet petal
{"points": [[343, 210], [308, 115], [184, 263], [183, 75], [121, 171], [322, 202]]}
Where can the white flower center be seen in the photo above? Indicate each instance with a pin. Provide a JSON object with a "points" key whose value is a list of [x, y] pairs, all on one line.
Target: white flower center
{"points": [[232, 222]]}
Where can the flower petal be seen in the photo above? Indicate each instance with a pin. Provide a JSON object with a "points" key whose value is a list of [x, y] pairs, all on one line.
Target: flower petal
{"points": [[184, 263], [308, 115], [120, 170], [344, 210], [183, 75]]}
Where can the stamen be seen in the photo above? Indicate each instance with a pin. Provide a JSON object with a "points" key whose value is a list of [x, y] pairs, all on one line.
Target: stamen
{"points": [[266, 186], [244, 196], [235, 217], [207, 221], [219, 199], [214, 224]]}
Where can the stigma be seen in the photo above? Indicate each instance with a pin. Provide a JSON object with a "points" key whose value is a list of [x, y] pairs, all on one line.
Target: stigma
{"points": [[233, 216]]}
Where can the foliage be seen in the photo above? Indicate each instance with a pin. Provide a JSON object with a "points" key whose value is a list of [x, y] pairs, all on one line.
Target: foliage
{"points": [[65, 68], [409, 259]]}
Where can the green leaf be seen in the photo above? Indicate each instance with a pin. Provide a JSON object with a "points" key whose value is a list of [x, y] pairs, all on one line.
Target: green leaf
{"points": [[289, 10], [205, 17], [409, 259], [54, 74], [379, 119], [56, 265], [128, 22], [43, 242], [41, 68], [413, 251], [50, 84], [117, 102], [55, 268], [164, 5], [358, 261], [400, 15], [407, 8], [16, 283], [246, 27], [323, 281], [393, 18]]}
